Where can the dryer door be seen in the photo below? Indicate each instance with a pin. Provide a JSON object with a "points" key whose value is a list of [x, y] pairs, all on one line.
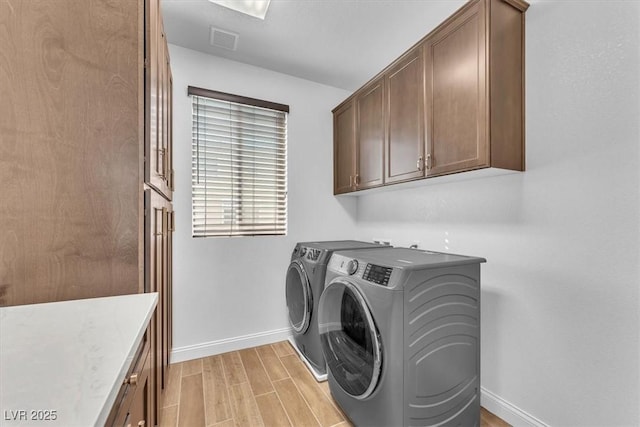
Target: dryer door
{"points": [[350, 339], [298, 296]]}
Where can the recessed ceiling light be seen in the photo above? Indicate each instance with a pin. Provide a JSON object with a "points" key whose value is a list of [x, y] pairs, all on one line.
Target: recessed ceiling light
{"points": [[256, 8]]}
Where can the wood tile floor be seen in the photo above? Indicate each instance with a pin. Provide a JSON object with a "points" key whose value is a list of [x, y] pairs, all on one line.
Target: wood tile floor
{"points": [[261, 386]]}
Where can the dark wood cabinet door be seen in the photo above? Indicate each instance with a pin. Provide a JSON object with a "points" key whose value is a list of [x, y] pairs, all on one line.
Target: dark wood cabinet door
{"points": [[456, 113], [344, 148], [157, 155], [139, 410], [158, 213], [370, 136], [131, 407], [405, 129], [167, 214], [169, 116]]}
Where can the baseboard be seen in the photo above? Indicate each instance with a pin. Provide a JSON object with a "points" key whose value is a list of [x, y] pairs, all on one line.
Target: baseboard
{"points": [[180, 354], [507, 411]]}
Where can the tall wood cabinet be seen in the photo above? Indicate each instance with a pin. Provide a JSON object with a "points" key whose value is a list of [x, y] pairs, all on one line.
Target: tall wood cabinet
{"points": [[454, 102], [85, 135], [158, 174]]}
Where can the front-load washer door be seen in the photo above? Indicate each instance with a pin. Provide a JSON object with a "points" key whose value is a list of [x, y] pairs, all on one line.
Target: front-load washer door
{"points": [[298, 293], [350, 339]]}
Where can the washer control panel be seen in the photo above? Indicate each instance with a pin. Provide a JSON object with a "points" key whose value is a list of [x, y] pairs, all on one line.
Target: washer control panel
{"points": [[313, 254], [377, 274]]}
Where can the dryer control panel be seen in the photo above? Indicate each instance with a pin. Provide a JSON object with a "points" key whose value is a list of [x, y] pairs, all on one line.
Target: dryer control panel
{"points": [[347, 266], [377, 274]]}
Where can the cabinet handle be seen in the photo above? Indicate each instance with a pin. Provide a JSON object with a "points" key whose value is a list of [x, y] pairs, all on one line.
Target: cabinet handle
{"points": [[142, 423], [419, 163], [165, 165], [133, 379], [160, 165], [350, 180], [428, 161], [172, 219], [356, 180]]}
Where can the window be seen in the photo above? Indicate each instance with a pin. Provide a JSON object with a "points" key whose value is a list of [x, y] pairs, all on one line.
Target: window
{"points": [[239, 165]]}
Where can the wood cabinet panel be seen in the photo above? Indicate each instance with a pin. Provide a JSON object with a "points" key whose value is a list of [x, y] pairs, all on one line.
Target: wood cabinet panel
{"points": [[506, 57], [344, 148], [69, 150], [370, 136], [455, 64], [405, 134]]}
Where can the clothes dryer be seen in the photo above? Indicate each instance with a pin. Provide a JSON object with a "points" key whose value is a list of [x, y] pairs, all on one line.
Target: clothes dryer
{"points": [[304, 285], [400, 331]]}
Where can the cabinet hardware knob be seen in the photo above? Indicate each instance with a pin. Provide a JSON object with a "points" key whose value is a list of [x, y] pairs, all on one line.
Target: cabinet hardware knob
{"points": [[133, 379], [428, 161], [142, 423], [419, 163], [356, 180]]}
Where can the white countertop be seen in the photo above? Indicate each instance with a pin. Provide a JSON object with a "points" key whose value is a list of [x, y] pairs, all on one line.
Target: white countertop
{"points": [[70, 357]]}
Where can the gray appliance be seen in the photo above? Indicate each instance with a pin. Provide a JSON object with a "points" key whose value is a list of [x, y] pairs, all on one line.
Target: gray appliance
{"points": [[304, 285], [400, 331]]}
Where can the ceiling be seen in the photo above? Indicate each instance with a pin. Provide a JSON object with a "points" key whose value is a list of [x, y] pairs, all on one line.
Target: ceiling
{"points": [[340, 43]]}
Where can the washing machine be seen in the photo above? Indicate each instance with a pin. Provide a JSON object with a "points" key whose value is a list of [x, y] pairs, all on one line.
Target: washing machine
{"points": [[304, 285], [400, 331]]}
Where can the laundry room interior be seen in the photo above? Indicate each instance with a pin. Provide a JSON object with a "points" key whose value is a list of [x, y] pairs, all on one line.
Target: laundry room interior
{"points": [[532, 247]]}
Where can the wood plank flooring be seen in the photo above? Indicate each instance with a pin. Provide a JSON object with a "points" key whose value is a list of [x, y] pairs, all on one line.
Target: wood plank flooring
{"points": [[262, 386]]}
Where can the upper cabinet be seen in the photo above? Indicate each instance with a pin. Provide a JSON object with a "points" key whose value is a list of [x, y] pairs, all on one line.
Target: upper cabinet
{"points": [[405, 118], [344, 148], [455, 76], [370, 136], [158, 138], [455, 101], [359, 135]]}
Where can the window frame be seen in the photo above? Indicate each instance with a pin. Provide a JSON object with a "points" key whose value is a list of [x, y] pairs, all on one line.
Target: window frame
{"points": [[234, 229]]}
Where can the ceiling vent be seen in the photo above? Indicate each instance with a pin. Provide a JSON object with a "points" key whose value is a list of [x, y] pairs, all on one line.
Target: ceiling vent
{"points": [[224, 39]]}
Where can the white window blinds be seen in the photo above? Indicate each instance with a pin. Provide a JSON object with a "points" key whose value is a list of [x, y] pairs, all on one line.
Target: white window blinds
{"points": [[239, 166]]}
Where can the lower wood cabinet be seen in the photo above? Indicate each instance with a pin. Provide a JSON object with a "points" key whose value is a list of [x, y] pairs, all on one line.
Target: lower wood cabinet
{"points": [[132, 407], [159, 222]]}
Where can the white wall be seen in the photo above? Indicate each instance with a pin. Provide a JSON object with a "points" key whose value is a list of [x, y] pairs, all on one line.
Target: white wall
{"points": [[560, 296], [230, 288]]}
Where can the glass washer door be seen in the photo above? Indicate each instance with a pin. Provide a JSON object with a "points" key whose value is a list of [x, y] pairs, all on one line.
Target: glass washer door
{"points": [[350, 339], [298, 294]]}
